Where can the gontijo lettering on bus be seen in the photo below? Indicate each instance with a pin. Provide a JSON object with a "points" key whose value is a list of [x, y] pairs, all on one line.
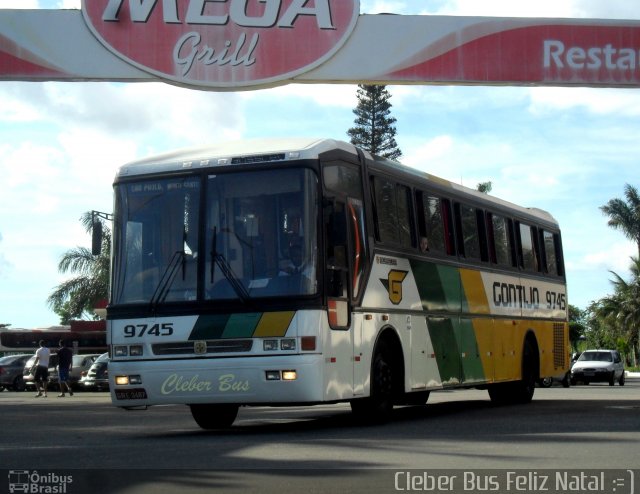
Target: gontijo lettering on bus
{"points": [[223, 42]]}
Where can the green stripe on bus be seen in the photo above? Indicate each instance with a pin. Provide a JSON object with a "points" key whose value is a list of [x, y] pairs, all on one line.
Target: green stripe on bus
{"points": [[456, 351], [438, 286], [209, 327], [445, 347], [473, 370], [241, 325]]}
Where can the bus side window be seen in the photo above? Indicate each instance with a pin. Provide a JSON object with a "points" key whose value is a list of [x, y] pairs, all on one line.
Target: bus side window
{"points": [[447, 221], [431, 223], [468, 235], [499, 245], [385, 209], [393, 213], [528, 248], [550, 253], [405, 224]]}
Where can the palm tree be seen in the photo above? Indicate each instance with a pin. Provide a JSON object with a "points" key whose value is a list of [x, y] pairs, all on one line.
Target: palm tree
{"points": [[625, 216], [77, 296], [621, 311]]}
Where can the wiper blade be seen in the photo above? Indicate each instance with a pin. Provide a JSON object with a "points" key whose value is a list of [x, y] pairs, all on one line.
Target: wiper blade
{"points": [[219, 259], [162, 290]]}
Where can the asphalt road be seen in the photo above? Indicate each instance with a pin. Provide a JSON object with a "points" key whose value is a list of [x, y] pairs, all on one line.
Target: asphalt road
{"points": [[315, 449]]}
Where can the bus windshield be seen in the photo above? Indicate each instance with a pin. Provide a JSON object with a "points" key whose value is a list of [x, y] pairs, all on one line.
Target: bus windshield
{"points": [[252, 235]]}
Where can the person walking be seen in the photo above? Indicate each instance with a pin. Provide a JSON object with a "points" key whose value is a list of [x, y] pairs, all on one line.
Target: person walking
{"points": [[41, 375], [65, 364]]}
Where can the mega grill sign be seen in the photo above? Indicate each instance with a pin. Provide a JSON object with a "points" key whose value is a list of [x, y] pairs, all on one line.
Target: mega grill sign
{"points": [[222, 42], [230, 45]]}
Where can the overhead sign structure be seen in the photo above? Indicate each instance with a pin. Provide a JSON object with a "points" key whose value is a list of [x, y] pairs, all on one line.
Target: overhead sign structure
{"points": [[248, 44]]}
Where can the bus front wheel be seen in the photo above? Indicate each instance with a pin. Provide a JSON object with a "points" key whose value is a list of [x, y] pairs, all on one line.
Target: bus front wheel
{"points": [[378, 407], [214, 416]]}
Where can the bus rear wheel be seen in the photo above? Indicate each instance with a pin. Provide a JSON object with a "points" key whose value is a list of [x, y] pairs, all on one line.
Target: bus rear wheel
{"points": [[214, 416], [519, 392]]}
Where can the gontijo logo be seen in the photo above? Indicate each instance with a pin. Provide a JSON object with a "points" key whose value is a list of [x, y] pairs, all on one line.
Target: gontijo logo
{"points": [[223, 43]]}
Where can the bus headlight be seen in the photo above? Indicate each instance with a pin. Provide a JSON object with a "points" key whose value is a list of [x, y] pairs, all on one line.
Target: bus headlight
{"points": [[120, 351], [126, 380], [270, 345], [135, 379], [288, 344], [272, 375], [289, 375], [122, 380]]}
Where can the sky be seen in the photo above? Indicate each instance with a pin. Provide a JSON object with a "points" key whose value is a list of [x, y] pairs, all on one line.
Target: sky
{"points": [[566, 150]]}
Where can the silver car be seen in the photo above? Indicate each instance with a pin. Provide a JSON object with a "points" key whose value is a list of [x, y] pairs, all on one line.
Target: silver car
{"points": [[598, 366], [79, 368]]}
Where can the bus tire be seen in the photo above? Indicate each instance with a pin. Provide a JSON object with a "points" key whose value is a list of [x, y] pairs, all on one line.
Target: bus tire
{"points": [[378, 407], [214, 416], [526, 387], [519, 392]]}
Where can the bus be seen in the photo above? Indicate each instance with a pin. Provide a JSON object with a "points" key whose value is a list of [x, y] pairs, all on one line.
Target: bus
{"points": [[281, 272], [92, 339]]}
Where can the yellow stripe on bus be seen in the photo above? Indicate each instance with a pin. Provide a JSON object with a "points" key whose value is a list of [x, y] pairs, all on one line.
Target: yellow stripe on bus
{"points": [[274, 324], [474, 291]]}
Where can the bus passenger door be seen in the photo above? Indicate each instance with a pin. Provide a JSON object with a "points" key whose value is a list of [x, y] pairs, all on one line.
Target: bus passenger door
{"points": [[339, 341], [346, 263], [337, 265]]}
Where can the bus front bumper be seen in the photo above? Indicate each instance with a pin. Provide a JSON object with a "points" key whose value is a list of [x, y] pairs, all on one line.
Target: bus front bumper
{"points": [[263, 380]]}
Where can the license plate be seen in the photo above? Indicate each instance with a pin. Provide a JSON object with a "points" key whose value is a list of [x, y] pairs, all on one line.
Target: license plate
{"points": [[590, 373], [131, 394]]}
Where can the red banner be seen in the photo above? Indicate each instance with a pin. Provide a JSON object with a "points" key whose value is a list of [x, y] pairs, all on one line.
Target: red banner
{"points": [[229, 46]]}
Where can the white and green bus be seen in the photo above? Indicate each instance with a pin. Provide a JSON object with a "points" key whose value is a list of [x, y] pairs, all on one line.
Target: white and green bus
{"points": [[302, 272]]}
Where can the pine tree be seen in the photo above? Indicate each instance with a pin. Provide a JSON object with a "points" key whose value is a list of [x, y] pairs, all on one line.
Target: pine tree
{"points": [[374, 129]]}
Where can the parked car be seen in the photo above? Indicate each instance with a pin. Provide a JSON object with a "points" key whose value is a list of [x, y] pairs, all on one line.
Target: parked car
{"points": [[598, 366], [79, 367], [27, 374], [11, 369], [98, 375]]}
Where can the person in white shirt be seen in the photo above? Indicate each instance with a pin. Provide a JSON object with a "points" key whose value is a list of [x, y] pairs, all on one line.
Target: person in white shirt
{"points": [[41, 376]]}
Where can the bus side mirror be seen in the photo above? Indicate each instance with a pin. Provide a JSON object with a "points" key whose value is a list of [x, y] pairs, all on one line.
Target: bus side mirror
{"points": [[96, 238]]}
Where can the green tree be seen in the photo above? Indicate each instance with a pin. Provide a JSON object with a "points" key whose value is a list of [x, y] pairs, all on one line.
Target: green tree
{"points": [[484, 187], [76, 297], [576, 326], [618, 315], [599, 333], [625, 216], [374, 128]]}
